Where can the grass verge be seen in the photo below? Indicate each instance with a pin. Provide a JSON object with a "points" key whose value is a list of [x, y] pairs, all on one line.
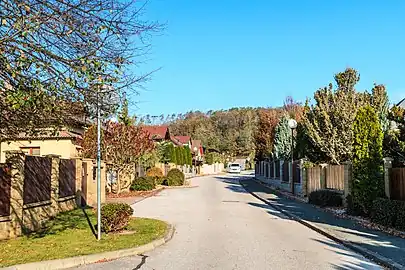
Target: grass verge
{"points": [[70, 234]]}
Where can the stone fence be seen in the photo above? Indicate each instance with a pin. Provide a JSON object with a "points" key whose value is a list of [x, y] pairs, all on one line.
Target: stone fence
{"points": [[34, 189]]}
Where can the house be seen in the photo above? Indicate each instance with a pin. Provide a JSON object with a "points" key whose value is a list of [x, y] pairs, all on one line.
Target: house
{"points": [[184, 140], [158, 133], [64, 143], [197, 151]]}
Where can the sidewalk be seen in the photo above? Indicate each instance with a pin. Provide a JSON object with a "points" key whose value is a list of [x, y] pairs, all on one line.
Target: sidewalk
{"points": [[382, 247]]}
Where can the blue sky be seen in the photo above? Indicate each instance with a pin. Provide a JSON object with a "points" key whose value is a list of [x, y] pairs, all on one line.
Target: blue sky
{"points": [[228, 53]]}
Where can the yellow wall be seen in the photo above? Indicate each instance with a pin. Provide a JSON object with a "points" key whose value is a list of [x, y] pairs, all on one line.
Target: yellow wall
{"points": [[63, 147]]}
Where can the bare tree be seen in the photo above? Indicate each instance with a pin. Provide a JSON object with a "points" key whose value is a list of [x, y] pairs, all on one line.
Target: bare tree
{"points": [[58, 52]]}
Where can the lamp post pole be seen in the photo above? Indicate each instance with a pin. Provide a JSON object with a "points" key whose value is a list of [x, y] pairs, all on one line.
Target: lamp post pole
{"points": [[98, 166], [293, 125], [195, 160]]}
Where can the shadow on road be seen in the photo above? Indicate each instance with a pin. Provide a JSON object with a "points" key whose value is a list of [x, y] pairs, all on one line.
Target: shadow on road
{"points": [[378, 242]]}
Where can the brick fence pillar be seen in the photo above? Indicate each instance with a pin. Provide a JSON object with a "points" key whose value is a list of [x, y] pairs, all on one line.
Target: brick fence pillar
{"points": [[55, 159], [387, 168], [17, 161], [348, 178]]}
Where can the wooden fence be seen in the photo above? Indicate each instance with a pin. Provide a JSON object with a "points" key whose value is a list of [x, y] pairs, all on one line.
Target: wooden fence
{"points": [[329, 177], [297, 171], [37, 183], [335, 178], [277, 164], [313, 179], [5, 188], [67, 178], [397, 184], [286, 172]]}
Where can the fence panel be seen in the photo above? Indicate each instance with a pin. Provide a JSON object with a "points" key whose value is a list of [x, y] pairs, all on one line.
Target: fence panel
{"points": [[335, 177], [5, 189], [397, 184], [286, 172], [296, 172], [67, 178], [37, 183], [313, 179], [278, 169], [272, 170]]}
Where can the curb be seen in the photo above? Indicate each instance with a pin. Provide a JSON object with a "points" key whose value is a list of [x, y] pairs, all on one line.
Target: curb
{"points": [[386, 262], [94, 258]]}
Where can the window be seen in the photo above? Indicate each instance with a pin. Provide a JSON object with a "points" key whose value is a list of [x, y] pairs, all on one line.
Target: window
{"points": [[32, 151]]}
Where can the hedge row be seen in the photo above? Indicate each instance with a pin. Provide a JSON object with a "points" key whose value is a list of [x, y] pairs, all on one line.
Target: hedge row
{"points": [[155, 177], [390, 213], [325, 197]]}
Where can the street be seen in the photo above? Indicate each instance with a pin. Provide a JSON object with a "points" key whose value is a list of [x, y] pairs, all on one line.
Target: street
{"points": [[221, 226]]}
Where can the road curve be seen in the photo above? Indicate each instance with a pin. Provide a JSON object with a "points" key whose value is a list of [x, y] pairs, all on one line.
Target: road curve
{"points": [[221, 226]]}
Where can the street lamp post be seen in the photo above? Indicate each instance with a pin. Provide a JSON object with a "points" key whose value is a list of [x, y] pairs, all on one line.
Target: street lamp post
{"points": [[293, 125], [195, 159]]}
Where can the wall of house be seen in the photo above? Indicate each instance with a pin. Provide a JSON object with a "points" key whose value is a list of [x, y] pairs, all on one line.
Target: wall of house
{"points": [[65, 148]]}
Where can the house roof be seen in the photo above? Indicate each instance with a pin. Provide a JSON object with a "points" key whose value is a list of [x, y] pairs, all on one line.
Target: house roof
{"points": [[156, 132], [176, 141], [47, 135], [196, 143], [401, 103], [183, 139]]}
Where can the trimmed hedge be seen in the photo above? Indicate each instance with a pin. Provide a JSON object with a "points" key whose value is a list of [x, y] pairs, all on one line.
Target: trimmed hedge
{"points": [[326, 197], [115, 216], [175, 177], [390, 213], [144, 183]]}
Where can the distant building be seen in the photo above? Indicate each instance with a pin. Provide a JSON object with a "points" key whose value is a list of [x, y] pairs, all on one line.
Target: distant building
{"points": [[158, 133], [184, 140]]}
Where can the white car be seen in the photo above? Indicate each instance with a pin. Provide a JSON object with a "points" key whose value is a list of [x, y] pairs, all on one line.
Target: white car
{"points": [[234, 168]]}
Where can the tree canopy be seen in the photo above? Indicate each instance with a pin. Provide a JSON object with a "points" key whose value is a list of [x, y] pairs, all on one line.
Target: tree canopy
{"points": [[57, 52]]}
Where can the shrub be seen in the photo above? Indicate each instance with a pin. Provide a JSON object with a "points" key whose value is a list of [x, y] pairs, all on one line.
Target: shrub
{"points": [[325, 197], [390, 213], [384, 212], [143, 183], [115, 216], [157, 174], [175, 178], [400, 220]]}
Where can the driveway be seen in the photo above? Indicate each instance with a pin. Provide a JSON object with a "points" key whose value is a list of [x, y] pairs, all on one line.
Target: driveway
{"points": [[221, 226]]}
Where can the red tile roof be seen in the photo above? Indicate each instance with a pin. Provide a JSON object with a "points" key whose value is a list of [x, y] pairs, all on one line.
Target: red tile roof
{"points": [[47, 135], [175, 141], [156, 132], [183, 139]]}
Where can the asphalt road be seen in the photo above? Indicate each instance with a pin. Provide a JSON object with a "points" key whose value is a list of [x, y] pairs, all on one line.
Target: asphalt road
{"points": [[221, 226]]}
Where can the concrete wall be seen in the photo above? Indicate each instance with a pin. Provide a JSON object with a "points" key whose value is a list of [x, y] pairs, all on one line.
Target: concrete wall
{"points": [[212, 169], [65, 148]]}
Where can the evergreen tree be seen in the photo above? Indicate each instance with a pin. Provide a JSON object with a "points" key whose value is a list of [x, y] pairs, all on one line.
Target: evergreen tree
{"points": [[328, 123], [124, 115], [368, 183], [282, 139]]}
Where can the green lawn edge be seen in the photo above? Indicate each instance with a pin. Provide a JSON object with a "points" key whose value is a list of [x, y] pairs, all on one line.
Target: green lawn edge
{"points": [[69, 234]]}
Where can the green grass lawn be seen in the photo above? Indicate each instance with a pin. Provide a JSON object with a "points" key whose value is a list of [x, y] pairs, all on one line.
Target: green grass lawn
{"points": [[70, 234]]}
